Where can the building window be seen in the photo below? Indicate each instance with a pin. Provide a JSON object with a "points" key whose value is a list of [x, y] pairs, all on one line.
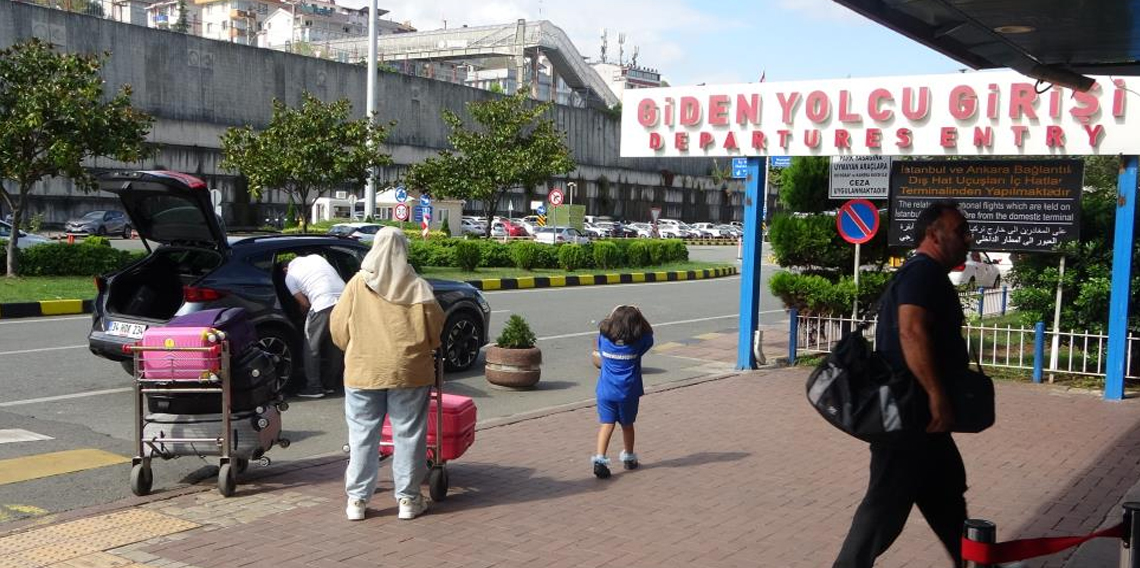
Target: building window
{"points": [[209, 28]]}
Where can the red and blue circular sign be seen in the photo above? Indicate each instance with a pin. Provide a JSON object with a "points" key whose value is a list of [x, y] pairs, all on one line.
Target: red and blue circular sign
{"points": [[857, 221]]}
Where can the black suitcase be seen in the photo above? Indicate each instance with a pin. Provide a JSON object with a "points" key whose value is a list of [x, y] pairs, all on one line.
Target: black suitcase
{"points": [[253, 384]]}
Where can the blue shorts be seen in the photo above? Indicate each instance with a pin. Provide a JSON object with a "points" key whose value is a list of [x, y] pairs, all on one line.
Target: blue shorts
{"points": [[611, 411]]}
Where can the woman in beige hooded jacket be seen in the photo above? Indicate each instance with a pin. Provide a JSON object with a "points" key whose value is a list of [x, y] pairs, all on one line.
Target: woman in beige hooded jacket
{"points": [[388, 323]]}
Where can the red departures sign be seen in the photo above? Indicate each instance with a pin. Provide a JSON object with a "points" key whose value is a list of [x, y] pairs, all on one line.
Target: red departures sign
{"points": [[961, 114]]}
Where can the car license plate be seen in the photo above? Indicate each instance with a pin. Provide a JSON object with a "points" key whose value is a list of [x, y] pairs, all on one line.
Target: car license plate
{"points": [[131, 330]]}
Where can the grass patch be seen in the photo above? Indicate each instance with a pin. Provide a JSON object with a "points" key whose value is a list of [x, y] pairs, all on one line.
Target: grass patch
{"points": [[36, 288], [452, 273]]}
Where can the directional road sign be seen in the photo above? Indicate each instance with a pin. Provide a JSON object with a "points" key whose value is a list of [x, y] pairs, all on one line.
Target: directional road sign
{"points": [[425, 201], [401, 194], [857, 221], [541, 210], [780, 161], [740, 168], [401, 211], [555, 197]]}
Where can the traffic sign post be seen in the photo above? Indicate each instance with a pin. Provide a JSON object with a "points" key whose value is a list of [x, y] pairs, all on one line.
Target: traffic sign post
{"points": [[857, 222], [401, 211], [555, 197]]}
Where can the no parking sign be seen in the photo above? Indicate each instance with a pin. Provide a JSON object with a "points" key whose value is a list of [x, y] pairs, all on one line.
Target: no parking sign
{"points": [[857, 221]]}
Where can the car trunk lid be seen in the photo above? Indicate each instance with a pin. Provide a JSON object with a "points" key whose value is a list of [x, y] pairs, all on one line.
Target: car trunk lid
{"points": [[168, 207]]}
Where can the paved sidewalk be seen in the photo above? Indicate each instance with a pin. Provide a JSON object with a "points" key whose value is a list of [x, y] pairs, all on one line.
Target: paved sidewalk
{"points": [[736, 471]]}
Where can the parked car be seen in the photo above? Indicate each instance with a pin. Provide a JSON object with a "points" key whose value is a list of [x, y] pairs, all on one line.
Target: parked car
{"points": [[506, 227], [25, 239], [469, 226], [595, 231], [195, 267], [552, 235], [710, 230], [363, 232], [979, 270], [101, 223], [730, 231], [644, 230]]}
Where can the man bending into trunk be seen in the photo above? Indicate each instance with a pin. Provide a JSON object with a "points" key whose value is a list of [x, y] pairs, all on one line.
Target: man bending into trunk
{"points": [[316, 286]]}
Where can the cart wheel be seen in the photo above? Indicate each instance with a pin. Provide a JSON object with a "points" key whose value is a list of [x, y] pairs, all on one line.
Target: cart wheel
{"points": [[437, 484], [283, 443], [282, 406], [265, 461], [345, 449], [242, 465], [226, 480], [141, 480]]}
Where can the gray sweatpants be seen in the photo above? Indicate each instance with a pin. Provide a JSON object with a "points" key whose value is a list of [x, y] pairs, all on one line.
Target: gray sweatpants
{"points": [[321, 356]]}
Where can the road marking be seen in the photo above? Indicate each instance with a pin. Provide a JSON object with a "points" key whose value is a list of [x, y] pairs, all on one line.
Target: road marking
{"points": [[42, 349], [14, 511], [500, 311], [26, 468], [19, 435], [23, 321], [65, 397]]}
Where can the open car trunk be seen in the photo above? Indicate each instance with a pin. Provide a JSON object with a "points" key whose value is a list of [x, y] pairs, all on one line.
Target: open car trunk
{"points": [[152, 288]]}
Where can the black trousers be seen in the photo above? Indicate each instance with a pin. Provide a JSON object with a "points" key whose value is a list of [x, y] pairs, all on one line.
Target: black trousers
{"points": [[927, 472]]}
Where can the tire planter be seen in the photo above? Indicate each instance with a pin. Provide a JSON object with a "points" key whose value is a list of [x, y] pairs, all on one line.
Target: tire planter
{"points": [[513, 368]]}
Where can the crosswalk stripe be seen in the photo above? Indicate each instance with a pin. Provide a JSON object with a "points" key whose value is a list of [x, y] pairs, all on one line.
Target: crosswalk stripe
{"points": [[15, 470], [10, 435]]}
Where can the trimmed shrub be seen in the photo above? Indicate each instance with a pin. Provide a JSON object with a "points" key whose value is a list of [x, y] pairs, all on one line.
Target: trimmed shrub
{"points": [[440, 254], [419, 252], [637, 254], [676, 251], [516, 334], [527, 255], [96, 241], [658, 252], [494, 253], [572, 257], [55, 259], [467, 255], [607, 255]]}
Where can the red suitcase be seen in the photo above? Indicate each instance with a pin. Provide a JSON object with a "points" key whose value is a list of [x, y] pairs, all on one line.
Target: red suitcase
{"points": [[458, 427], [160, 365]]}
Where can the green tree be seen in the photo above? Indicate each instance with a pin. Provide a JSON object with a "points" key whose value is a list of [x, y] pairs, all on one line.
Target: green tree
{"points": [[53, 116], [182, 26], [803, 185], [306, 151], [516, 144]]}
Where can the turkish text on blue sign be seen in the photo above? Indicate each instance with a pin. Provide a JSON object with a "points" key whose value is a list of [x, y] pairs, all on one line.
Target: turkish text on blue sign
{"points": [[418, 213]]}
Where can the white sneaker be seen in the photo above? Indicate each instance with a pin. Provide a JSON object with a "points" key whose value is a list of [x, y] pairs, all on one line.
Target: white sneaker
{"points": [[355, 509], [411, 507]]}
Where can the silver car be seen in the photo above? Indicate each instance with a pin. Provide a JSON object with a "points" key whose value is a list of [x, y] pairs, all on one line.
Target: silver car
{"points": [[101, 223], [26, 239]]}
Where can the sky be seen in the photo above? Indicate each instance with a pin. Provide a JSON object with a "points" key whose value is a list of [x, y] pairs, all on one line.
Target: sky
{"points": [[714, 42]]}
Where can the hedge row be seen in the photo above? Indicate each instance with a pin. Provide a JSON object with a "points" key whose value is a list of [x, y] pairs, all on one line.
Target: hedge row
{"points": [[92, 257], [528, 255], [813, 294]]}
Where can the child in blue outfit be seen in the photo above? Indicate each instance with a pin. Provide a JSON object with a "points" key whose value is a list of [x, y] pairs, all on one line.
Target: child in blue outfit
{"points": [[623, 338]]}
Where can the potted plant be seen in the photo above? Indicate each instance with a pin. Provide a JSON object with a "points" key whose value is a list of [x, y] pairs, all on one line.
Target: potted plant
{"points": [[514, 361]]}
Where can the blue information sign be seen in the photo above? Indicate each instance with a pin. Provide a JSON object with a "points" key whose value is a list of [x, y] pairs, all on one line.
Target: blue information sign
{"points": [[425, 201], [541, 210], [401, 194], [857, 221], [780, 161], [418, 212], [740, 168]]}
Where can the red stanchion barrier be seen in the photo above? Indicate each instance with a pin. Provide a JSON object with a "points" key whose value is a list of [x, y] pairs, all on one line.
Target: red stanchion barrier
{"points": [[70, 239], [1022, 549]]}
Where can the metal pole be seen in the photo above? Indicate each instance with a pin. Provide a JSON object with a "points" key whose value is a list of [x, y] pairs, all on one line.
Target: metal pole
{"points": [[1128, 556], [793, 334], [750, 270], [979, 530], [1122, 243], [1056, 353], [855, 307], [370, 103]]}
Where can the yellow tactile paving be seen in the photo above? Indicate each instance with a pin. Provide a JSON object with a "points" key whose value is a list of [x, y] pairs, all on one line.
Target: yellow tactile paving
{"points": [[707, 336], [80, 543], [15, 470]]}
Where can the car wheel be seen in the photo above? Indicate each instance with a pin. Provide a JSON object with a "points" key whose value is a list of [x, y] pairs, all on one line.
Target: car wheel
{"points": [[282, 347], [101, 231], [126, 231], [462, 338]]}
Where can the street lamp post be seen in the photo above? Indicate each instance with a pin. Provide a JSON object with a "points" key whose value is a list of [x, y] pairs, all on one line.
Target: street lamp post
{"points": [[571, 188], [370, 187]]}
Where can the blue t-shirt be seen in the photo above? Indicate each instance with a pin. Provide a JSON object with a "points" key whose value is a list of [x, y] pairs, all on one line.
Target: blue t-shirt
{"points": [[620, 376]]}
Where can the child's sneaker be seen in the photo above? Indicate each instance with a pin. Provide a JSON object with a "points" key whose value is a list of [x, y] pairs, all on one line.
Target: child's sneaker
{"points": [[601, 467], [355, 509], [628, 460], [411, 507]]}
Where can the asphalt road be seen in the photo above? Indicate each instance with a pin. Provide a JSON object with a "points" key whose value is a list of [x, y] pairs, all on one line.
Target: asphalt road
{"points": [[53, 386]]}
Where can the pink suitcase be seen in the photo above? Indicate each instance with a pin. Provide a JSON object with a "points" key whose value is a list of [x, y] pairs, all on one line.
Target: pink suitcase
{"points": [[458, 427], [161, 365]]}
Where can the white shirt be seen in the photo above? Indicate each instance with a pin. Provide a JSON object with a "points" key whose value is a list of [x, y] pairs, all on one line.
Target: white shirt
{"points": [[314, 277]]}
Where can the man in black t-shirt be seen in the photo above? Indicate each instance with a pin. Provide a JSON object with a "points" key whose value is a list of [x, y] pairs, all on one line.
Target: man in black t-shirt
{"points": [[919, 330]]}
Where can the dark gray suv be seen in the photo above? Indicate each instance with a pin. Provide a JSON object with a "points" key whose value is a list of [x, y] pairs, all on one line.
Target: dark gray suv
{"points": [[101, 223], [196, 267]]}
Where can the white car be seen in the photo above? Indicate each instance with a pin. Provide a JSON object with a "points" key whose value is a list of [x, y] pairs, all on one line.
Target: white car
{"points": [[550, 235], [709, 230], [979, 271], [26, 239], [363, 232], [644, 230], [470, 226]]}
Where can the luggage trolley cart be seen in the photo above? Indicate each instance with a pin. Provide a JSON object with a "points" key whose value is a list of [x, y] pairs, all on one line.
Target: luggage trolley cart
{"points": [[213, 377], [448, 438]]}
